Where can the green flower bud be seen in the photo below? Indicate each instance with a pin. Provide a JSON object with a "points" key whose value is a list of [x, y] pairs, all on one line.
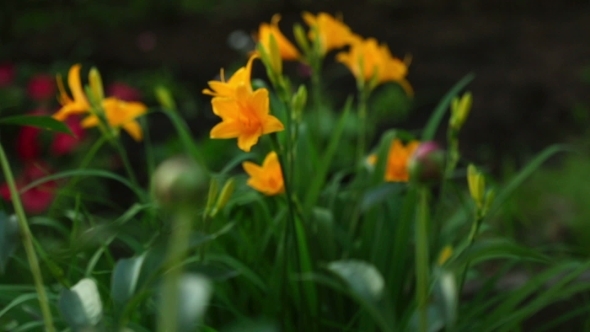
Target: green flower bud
{"points": [[178, 182]]}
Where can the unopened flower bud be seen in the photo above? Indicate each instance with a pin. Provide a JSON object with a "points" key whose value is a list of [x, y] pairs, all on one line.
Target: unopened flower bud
{"points": [[95, 82], [178, 181], [427, 162], [165, 98], [477, 185]]}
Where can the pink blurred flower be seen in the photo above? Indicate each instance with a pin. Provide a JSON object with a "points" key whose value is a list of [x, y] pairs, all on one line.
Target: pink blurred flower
{"points": [[123, 91], [36, 199], [41, 87], [7, 74], [64, 143]]}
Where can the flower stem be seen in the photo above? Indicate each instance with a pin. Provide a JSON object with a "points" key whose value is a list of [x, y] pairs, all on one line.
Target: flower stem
{"points": [[126, 163], [179, 240], [471, 239], [422, 259], [362, 124], [27, 239]]}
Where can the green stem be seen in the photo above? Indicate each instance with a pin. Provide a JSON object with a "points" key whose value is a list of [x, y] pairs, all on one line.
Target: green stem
{"points": [[27, 239], [85, 162], [126, 163], [422, 259], [179, 240], [362, 124], [471, 239]]}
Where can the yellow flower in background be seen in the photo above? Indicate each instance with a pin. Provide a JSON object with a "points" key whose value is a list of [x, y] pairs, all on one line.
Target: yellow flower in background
{"points": [[228, 88], [78, 103], [397, 161], [245, 117], [268, 178], [332, 33], [367, 60], [120, 114], [444, 255], [286, 50]]}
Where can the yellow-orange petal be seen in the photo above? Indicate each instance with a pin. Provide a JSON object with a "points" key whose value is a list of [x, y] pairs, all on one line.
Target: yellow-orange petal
{"points": [[259, 102], [247, 140], [90, 121], [226, 129], [252, 169], [76, 85], [67, 110], [134, 130], [225, 108], [272, 124]]}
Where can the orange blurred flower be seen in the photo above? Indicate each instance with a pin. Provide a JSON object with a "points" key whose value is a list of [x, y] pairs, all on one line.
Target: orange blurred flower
{"points": [[398, 159], [332, 33], [228, 88], [246, 117], [285, 50], [120, 114], [79, 103], [268, 178], [368, 61]]}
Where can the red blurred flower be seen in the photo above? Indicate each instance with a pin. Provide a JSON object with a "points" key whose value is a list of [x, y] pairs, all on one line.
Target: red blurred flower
{"points": [[7, 73], [27, 143], [41, 87], [64, 143], [123, 91], [37, 199]]}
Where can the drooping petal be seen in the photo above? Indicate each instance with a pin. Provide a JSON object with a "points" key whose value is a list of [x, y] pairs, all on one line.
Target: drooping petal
{"points": [[226, 129], [134, 130], [90, 121], [272, 124], [69, 109], [247, 140]]}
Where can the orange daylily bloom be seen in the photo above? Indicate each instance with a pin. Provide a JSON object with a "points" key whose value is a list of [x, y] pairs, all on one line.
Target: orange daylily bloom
{"points": [[246, 117], [332, 33], [228, 88], [397, 161], [286, 50], [120, 114], [79, 103], [268, 178], [367, 60]]}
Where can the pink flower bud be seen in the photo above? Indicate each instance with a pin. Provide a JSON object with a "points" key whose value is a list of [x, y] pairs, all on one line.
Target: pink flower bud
{"points": [[427, 163]]}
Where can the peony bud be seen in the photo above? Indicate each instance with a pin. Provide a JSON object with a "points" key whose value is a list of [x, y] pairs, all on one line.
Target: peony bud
{"points": [[427, 163], [179, 182]]}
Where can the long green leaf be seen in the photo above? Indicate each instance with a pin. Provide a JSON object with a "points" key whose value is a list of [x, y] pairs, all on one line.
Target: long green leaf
{"points": [[39, 121], [320, 175], [524, 174], [443, 106]]}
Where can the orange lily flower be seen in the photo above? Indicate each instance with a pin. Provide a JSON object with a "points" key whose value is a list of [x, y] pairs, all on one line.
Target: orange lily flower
{"points": [[245, 117], [79, 103], [228, 88], [332, 33], [286, 50], [397, 161], [367, 60], [268, 178], [120, 114]]}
